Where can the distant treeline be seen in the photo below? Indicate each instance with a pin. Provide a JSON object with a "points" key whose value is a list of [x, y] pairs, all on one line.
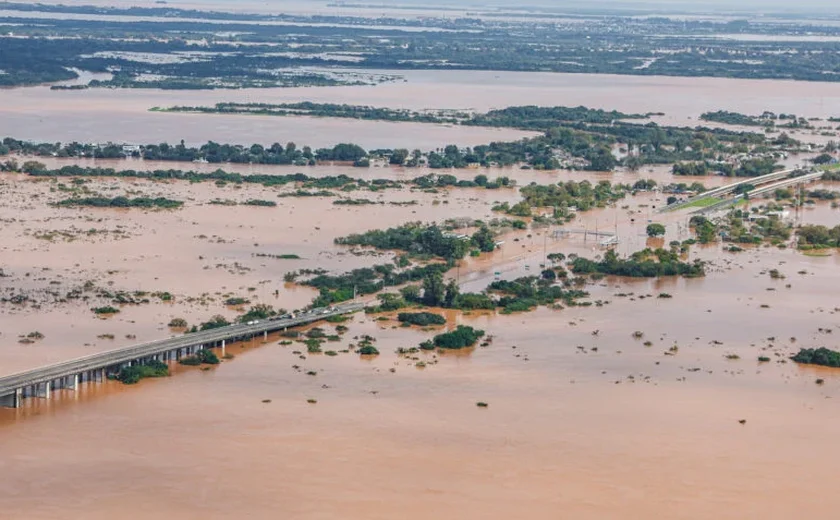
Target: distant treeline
{"points": [[525, 117], [747, 168], [573, 138], [340, 182]]}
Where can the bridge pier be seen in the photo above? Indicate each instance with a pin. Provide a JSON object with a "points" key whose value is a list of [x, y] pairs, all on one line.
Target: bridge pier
{"points": [[96, 368], [36, 390], [12, 400]]}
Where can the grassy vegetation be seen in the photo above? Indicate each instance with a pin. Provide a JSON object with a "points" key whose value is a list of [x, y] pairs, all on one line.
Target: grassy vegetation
{"points": [[701, 203]]}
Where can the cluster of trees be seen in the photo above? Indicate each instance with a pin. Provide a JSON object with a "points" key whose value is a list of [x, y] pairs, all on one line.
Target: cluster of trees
{"points": [[463, 336], [816, 236], [133, 374], [341, 182], [202, 357], [260, 311], [445, 180], [734, 118], [524, 117], [422, 319], [655, 230], [216, 322], [737, 227], [746, 168], [822, 194], [211, 152], [121, 202], [704, 229], [832, 175], [543, 118], [581, 195], [644, 184], [695, 168], [585, 134], [823, 158], [368, 280], [819, 356], [526, 293], [642, 264], [307, 108], [421, 239], [754, 167]]}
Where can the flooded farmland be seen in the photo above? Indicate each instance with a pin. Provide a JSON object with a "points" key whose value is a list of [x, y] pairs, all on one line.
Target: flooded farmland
{"points": [[584, 418]]}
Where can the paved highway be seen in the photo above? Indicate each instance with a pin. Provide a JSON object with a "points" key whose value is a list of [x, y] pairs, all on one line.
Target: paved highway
{"points": [[811, 177], [729, 188], [12, 383]]}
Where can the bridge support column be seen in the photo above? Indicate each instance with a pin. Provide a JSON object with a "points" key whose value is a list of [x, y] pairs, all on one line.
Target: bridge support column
{"points": [[265, 335], [12, 400], [223, 348], [74, 382], [47, 390]]}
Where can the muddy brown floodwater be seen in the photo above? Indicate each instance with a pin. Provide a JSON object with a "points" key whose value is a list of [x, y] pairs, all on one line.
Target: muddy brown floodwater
{"points": [[122, 115], [583, 421]]}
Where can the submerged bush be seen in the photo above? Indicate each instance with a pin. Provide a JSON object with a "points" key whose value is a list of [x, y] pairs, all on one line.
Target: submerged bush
{"points": [[461, 337], [820, 356], [422, 319], [133, 374]]}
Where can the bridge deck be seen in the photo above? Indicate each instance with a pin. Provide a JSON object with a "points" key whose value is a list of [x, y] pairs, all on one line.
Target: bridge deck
{"points": [[9, 384], [729, 188]]}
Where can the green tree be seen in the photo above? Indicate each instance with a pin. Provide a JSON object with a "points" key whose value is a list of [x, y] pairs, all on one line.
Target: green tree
{"points": [[484, 239], [398, 157], [433, 289], [655, 230], [411, 293], [451, 295]]}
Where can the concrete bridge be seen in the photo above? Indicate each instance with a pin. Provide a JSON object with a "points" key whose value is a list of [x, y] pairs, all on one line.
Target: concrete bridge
{"points": [[731, 187], [40, 382], [765, 189]]}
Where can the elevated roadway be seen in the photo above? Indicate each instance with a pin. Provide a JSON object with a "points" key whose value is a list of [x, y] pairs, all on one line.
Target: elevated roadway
{"points": [[96, 367]]}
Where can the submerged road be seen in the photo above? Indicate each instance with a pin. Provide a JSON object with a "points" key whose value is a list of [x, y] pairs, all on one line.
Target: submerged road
{"points": [[68, 374]]}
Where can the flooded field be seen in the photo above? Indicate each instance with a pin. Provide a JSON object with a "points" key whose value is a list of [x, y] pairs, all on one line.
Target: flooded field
{"points": [[584, 420], [122, 115]]}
